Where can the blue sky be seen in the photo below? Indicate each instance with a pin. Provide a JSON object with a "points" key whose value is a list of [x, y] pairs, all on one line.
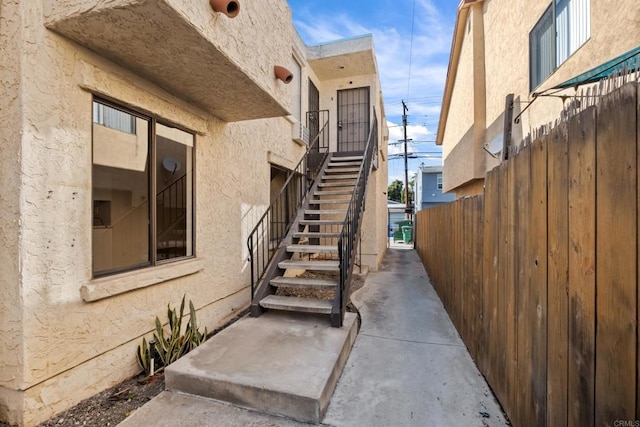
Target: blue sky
{"points": [[412, 68]]}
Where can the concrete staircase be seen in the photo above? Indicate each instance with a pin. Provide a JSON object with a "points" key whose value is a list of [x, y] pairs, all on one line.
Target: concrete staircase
{"points": [[309, 263], [286, 361]]}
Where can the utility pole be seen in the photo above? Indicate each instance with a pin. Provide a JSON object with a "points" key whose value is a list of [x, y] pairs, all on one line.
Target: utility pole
{"points": [[407, 209]]}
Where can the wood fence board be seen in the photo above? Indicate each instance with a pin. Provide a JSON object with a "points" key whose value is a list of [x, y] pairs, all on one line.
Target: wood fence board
{"points": [[503, 187], [558, 272], [523, 215], [582, 265], [476, 330], [638, 240], [558, 341], [537, 310], [510, 300], [616, 274], [465, 288], [489, 273]]}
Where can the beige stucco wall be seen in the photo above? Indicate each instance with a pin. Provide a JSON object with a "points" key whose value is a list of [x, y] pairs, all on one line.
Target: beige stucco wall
{"points": [[458, 146], [58, 348], [65, 335], [11, 303], [507, 24]]}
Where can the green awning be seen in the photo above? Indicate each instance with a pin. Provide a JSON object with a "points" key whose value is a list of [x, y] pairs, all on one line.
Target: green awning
{"points": [[628, 62]]}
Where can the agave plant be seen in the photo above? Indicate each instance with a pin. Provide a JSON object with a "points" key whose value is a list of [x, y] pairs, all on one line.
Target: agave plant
{"points": [[171, 347]]}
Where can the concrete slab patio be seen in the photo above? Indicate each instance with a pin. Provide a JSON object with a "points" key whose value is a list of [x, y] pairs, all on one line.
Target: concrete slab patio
{"points": [[408, 366]]}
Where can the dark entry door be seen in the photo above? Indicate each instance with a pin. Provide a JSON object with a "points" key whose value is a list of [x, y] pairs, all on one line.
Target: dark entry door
{"points": [[353, 119], [313, 120]]}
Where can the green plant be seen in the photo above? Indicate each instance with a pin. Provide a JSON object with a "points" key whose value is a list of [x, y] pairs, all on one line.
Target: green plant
{"points": [[165, 350]]}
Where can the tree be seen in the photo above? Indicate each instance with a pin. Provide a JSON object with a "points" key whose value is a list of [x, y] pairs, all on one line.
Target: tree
{"points": [[395, 191]]}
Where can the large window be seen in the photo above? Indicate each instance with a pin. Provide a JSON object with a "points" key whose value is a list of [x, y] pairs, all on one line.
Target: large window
{"points": [[135, 157], [562, 29]]}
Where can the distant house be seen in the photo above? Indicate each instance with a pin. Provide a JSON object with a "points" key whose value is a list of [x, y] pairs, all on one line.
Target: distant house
{"points": [[396, 214], [513, 67], [428, 188]]}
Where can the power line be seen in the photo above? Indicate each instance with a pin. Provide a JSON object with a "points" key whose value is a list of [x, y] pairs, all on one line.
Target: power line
{"points": [[413, 21]]}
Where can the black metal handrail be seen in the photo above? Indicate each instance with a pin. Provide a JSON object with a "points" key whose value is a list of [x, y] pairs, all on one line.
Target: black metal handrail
{"points": [[347, 242], [274, 224]]}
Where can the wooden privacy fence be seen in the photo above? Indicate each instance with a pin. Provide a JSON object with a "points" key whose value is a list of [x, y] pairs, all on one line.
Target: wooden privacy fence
{"points": [[540, 274]]}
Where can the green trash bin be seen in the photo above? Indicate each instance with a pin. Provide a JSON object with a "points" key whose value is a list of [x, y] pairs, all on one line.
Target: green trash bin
{"points": [[406, 234]]}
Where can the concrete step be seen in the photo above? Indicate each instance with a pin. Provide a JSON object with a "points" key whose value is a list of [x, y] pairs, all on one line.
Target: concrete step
{"points": [[331, 163], [283, 364], [312, 249], [314, 235], [303, 305], [332, 193], [336, 184], [321, 221], [310, 265], [329, 201], [347, 158], [354, 176], [341, 170], [305, 283], [325, 211]]}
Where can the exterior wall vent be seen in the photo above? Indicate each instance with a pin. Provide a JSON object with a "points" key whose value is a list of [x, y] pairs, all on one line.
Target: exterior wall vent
{"points": [[300, 133]]}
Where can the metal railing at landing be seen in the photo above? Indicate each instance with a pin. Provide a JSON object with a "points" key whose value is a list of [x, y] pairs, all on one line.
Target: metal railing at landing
{"points": [[275, 223], [347, 243]]}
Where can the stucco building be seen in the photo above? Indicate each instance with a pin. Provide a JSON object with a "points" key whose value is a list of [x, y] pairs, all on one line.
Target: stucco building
{"points": [[507, 58], [107, 103]]}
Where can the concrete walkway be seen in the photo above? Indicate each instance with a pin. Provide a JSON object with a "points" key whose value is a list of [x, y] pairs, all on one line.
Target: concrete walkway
{"points": [[408, 366]]}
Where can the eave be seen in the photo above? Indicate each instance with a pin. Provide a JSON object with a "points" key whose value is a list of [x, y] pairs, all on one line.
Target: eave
{"points": [[452, 70]]}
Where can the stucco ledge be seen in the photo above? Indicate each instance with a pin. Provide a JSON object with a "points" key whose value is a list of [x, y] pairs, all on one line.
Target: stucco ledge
{"points": [[106, 287]]}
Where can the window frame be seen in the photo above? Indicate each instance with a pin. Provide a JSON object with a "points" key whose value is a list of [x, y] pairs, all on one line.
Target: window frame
{"points": [[152, 175], [439, 181], [553, 54]]}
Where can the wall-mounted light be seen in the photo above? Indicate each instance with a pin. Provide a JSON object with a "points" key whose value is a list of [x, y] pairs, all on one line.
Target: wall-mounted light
{"points": [[231, 8], [283, 74]]}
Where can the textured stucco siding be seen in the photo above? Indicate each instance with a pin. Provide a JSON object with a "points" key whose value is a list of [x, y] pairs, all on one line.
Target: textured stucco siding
{"points": [[57, 348], [505, 64], [458, 148], [66, 336], [183, 45], [507, 58], [11, 316]]}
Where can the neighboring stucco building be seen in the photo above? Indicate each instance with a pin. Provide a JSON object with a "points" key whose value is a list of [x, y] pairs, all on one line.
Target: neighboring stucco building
{"points": [[107, 103], [428, 188], [522, 48]]}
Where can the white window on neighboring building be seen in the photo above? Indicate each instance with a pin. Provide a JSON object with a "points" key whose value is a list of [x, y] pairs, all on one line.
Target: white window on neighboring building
{"points": [[135, 157], [439, 181], [562, 29]]}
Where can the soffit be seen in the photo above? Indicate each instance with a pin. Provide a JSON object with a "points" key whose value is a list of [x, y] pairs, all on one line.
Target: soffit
{"points": [[159, 43]]}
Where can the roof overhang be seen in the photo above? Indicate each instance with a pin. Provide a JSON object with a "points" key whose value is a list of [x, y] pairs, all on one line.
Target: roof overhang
{"points": [[161, 42], [344, 58], [454, 58]]}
